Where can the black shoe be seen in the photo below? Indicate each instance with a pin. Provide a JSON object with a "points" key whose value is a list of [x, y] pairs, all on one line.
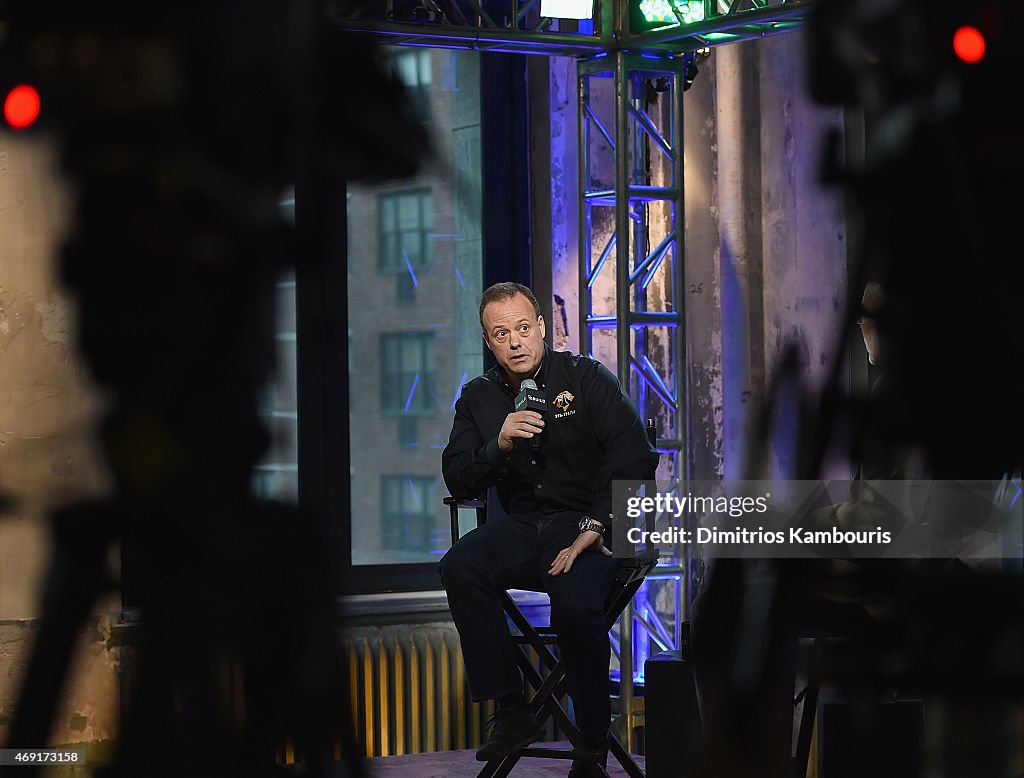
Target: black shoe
{"points": [[599, 747], [514, 728]]}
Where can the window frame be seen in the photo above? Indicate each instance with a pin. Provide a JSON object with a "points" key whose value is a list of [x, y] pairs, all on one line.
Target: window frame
{"points": [[427, 485], [425, 257], [419, 91], [424, 389], [322, 325]]}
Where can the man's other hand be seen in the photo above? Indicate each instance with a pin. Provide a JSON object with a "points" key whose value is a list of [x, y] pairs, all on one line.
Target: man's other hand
{"points": [[587, 540], [521, 424]]}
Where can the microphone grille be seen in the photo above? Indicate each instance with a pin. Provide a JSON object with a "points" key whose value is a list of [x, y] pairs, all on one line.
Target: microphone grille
{"points": [[529, 383]]}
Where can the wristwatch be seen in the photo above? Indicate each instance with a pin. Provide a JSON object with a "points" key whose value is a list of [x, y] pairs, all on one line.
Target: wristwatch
{"points": [[593, 525]]}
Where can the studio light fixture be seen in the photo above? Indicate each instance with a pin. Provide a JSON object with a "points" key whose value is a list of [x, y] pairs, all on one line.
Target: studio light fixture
{"points": [[659, 12], [414, 11], [567, 9]]}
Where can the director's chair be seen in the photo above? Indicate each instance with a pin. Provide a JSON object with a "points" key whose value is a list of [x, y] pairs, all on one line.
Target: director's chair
{"points": [[549, 682]]}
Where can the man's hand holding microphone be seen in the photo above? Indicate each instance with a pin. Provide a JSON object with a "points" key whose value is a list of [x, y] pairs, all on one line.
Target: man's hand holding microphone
{"points": [[527, 420]]}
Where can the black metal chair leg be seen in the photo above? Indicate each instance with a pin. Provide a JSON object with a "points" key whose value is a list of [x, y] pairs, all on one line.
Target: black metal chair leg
{"points": [[549, 682]]}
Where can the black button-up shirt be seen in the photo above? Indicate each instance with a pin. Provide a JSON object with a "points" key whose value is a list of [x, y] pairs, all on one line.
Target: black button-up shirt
{"points": [[592, 436]]}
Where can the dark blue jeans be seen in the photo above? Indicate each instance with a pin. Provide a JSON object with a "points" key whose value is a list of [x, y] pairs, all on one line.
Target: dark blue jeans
{"points": [[515, 553]]}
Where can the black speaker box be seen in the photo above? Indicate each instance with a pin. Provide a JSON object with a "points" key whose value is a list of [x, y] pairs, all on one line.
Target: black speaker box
{"points": [[672, 728], [881, 738]]}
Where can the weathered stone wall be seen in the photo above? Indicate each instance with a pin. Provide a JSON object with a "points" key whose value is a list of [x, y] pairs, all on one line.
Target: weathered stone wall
{"points": [[48, 456]]}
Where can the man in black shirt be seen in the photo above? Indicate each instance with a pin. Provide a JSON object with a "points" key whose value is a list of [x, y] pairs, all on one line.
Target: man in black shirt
{"points": [[558, 496]]}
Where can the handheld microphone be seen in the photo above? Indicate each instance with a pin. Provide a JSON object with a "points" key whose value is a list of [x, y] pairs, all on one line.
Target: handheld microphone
{"points": [[530, 398]]}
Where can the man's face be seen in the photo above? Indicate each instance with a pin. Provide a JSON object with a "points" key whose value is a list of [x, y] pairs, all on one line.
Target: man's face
{"points": [[515, 335]]}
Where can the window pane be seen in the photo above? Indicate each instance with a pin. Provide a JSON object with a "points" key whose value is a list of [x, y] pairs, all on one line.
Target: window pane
{"points": [[409, 213], [277, 475], [387, 214], [410, 251], [414, 68], [407, 373], [406, 230], [415, 335], [425, 68], [390, 255], [427, 211], [407, 518], [406, 64]]}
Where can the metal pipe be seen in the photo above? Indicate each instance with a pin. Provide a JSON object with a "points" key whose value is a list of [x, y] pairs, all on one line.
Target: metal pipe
{"points": [[681, 464], [584, 238], [478, 38], [623, 247]]}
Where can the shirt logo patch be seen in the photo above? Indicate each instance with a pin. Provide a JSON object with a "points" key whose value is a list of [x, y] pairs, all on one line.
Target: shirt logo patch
{"points": [[562, 402]]}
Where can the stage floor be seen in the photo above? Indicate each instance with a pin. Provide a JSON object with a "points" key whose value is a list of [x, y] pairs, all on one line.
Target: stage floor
{"points": [[456, 764]]}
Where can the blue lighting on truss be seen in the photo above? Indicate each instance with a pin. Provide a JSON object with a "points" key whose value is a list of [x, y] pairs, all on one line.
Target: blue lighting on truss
{"points": [[638, 678], [642, 650]]}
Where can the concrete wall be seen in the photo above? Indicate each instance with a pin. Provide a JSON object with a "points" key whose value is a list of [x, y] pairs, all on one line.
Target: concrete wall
{"points": [[803, 231], [48, 411]]}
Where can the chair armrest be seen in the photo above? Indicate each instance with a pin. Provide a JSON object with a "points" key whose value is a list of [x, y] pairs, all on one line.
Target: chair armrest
{"points": [[630, 574], [455, 503], [637, 566], [459, 502]]}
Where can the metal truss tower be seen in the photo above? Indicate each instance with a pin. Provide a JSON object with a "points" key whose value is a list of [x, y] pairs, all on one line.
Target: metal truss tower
{"points": [[631, 293]]}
